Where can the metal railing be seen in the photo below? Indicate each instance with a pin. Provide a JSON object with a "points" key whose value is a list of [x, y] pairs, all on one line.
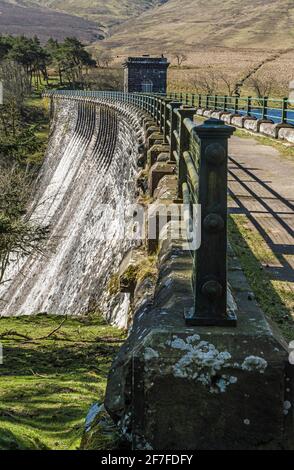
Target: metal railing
{"points": [[279, 111], [201, 155]]}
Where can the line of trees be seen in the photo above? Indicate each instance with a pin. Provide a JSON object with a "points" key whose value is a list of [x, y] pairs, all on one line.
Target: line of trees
{"points": [[69, 58]]}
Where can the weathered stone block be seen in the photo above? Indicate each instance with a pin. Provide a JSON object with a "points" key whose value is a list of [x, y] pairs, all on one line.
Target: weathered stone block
{"points": [[153, 138], [238, 120], [227, 118], [163, 157], [167, 188], [269, 129], [157, 172], [153, 153], [286, 133], [251, 124], [216, 114], [147, 122], [201, 388], [150, 130]]}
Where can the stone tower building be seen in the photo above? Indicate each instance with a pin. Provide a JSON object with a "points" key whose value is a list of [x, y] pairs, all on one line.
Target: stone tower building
{"points": [[145, 74]]}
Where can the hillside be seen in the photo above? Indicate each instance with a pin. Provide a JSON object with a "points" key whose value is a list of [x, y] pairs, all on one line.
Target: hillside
{"points": [[44, 22], [135, 26], [229, 35], [104, 12], [186, 24]]}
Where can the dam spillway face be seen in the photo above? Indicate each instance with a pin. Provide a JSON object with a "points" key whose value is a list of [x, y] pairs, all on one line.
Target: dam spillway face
{"points": [[91, 161]]}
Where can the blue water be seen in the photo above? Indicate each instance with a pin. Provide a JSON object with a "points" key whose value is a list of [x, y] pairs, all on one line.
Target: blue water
{"points": [[273, 114]]}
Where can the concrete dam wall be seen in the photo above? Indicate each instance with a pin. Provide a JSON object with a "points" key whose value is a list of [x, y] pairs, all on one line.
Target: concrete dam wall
{"points": [[91, 160]]}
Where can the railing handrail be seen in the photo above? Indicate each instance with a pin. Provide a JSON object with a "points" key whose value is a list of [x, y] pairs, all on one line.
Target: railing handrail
{"points": [[200, 153]]}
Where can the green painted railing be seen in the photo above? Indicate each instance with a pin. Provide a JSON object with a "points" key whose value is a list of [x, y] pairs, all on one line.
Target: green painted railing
{"points": [[201, 155], [279, 111]]}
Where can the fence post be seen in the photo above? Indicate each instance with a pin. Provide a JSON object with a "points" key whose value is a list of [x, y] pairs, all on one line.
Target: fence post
{"points": [[249, 105], [165, 119], [173, 127], [225, 103], [210, 265], [184, 145], [236, 104], [284, 110], [161, 115], [265, 107]]}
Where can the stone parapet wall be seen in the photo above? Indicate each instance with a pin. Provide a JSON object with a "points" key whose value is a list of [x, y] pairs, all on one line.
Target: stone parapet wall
{"points": [[264, 127], [174, 387]]}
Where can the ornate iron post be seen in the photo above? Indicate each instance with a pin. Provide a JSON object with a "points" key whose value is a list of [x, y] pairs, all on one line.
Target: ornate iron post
{"points": [[284, 110], [210, 265], [173, 128], [184, 145], [265, 107], [165, 119]]}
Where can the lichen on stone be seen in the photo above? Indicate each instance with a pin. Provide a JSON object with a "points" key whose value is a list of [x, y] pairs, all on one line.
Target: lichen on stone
{"points": [[202, 363], [287, 407], [254, 363], [150, 354]]}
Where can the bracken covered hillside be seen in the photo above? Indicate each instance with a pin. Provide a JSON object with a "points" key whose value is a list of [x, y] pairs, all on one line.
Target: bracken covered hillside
{"points": [[262, 24], [105, 12], [45, 23]]}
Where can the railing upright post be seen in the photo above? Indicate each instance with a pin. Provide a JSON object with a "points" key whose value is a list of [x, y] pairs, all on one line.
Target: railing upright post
{"points": [[146, 103], [154, 108], [161, 115], [184, 145], [165, 119], [210, 265], [173, 127], [236, 104], [249, 105], [225, 107], [284, 110], [207, 102], [265, 107], [158, 121]]}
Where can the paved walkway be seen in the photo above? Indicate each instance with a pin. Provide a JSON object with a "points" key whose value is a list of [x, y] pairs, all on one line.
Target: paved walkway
{"points": [[261, 183]]}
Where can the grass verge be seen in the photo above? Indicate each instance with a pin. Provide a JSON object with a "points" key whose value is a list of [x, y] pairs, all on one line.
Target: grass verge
{"points": [[275, 297], [54, 368]]}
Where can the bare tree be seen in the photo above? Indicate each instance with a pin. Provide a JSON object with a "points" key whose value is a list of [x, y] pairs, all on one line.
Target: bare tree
{"points": [[262, 86], [104, 59], [205, 83], [101, 79], [227, 82], [18, 236], [180, 58]]}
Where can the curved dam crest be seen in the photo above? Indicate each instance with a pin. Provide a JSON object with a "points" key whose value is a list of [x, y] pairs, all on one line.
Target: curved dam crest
{"points": [[91, 160]]}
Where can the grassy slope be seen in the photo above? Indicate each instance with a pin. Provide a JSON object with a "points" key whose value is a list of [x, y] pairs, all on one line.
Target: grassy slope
{"points": [[107, 13], [231, 23], [47, 386]]}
